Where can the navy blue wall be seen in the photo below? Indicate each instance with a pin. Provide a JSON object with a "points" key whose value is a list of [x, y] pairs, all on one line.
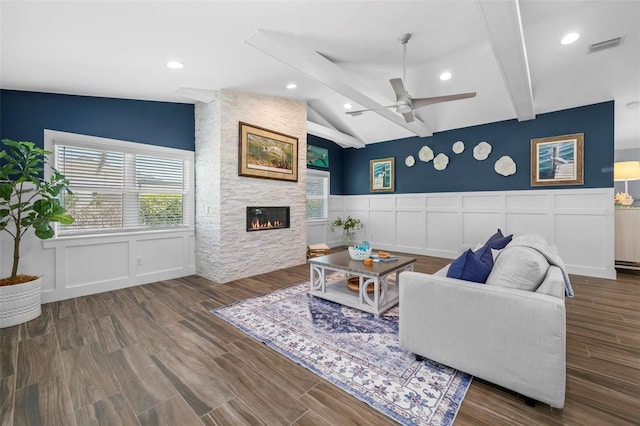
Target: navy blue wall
{"points": [[25, 115], [336, 153], [512, 138]]}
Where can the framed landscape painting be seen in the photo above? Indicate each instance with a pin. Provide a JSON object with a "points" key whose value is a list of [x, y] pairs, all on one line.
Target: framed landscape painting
{"points": [[382, 175], [558, 160], [267, 154]]}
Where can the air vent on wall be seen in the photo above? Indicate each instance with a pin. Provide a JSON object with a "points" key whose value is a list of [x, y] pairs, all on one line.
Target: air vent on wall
{"points": [[607, 44]]}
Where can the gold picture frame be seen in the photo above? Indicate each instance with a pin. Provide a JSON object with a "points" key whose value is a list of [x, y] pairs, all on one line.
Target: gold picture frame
{"points": [[558, 160], [382, 173], [267, 154]]}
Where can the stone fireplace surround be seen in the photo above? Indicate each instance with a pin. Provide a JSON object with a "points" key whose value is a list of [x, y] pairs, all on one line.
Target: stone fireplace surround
{"points": [[225, 251]]}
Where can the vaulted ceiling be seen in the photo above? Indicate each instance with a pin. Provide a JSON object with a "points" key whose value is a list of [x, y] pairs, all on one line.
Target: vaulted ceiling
{"points": [[337, 52]]}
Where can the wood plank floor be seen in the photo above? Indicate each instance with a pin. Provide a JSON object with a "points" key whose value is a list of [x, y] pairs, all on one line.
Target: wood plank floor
{"points": [[153, 355]]}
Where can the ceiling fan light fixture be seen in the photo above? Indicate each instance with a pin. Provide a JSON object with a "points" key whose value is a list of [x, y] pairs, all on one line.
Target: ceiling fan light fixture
{"points": [[445, 76], [175, 65], [570, 38]]}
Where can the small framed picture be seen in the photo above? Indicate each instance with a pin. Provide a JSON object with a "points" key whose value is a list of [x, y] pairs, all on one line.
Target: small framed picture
{"points": [[558, 160], [382, 175], [317, 156]]}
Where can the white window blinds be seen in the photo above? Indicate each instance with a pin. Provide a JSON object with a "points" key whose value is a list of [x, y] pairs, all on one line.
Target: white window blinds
{"points": [[123, 186], [317, 195]]}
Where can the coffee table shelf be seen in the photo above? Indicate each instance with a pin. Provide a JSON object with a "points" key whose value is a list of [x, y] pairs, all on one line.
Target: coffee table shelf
{"points": [[384, 296]]}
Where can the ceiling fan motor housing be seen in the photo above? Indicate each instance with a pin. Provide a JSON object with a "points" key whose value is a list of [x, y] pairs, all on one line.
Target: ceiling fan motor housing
{"points": [[404, 106]]}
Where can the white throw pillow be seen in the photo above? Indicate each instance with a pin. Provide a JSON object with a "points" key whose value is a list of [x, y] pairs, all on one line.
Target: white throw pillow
{"points": [[518, 267]]}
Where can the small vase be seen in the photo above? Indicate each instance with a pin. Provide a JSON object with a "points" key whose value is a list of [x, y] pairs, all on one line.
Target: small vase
{"points": [[348, 236]]}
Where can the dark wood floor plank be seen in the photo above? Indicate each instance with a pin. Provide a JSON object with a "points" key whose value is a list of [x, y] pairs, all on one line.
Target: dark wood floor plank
{"points": [[8, 355], [200, 388], [111, 411], [87, 377], [311, 419], [338, 407], [38, 359], [111, 334], [141, 381], [42, 324], [290, 377], [170, 413], [148, 333], [7, 401], [187, 336], [273, 405], [75, 331], [161, 313], [234, 412], [46, 402]]}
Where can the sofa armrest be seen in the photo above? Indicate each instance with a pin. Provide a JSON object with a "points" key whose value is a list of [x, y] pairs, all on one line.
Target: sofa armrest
{"points": [[514, 338]]}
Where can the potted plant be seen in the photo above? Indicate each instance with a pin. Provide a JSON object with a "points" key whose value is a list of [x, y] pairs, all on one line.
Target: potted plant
{"points": [[349, 226], [27, 200]]}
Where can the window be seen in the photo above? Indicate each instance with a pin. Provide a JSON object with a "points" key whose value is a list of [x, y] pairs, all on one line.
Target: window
{"points": [[317, 194], [122, 186]]}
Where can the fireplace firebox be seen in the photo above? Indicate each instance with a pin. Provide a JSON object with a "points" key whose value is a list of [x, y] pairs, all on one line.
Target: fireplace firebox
{"points": [[266, 218]]}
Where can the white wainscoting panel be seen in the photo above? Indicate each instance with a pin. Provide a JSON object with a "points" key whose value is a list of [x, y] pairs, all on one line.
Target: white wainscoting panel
{"points": [[579, 222], [443, 237], [524, 223], [382, 228], [317, 232], [411, 230], [109, 262], [88, 265], [475, 226]]}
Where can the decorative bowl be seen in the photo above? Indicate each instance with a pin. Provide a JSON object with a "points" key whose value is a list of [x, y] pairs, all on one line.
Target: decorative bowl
{"points": [[359, 254]]}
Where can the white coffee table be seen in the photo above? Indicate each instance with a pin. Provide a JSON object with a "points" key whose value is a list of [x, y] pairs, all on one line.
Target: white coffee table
{"points": [[384, 295]]}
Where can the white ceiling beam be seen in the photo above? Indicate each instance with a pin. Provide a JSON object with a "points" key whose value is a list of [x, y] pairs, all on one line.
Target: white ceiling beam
{"points": [[201, 95], [504, 27], [342, 139], [320, 69]]}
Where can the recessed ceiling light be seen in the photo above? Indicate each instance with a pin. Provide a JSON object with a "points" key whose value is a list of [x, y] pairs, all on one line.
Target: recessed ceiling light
{"points": [[633, 104], [445, 76], [570, 38], [348, 106], [176, 65], [292, 86]]}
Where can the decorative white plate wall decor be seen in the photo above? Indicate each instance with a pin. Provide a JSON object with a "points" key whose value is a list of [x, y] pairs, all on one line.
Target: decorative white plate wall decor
{"points": [[505, 166], [440, 162], [458, 147], [481, 151], [410, 161], [425, 154]]}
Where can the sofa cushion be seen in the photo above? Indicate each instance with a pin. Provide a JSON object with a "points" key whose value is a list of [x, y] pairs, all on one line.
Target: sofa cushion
{"points": [[518, 267], [469, 267]]}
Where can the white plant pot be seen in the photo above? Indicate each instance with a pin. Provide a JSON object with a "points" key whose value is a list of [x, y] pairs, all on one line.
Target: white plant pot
{"points": [[20, 303]]}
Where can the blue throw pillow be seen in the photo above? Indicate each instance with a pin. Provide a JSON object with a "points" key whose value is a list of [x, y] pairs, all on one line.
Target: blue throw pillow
{"points": [[495, 236], [495, 242], [470, 267]]}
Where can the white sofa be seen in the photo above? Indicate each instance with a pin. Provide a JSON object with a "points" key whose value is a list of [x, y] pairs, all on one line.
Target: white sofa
{"points": [[511, 337]]}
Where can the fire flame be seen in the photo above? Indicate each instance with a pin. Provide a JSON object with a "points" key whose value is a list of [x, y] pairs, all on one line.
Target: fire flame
{"points": [[256, 224]]}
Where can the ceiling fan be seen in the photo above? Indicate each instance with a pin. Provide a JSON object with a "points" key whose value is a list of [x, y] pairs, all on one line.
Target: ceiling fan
{"points": [[405, 104]]}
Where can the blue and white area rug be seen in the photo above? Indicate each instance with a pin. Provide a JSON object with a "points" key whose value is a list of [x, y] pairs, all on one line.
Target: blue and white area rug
{"points": [[353, 350]]}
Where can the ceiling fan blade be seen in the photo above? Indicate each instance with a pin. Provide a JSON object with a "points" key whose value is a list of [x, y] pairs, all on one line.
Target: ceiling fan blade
{"points": [[408, 117], [420, 102], [398, 88], [365, 110]]}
